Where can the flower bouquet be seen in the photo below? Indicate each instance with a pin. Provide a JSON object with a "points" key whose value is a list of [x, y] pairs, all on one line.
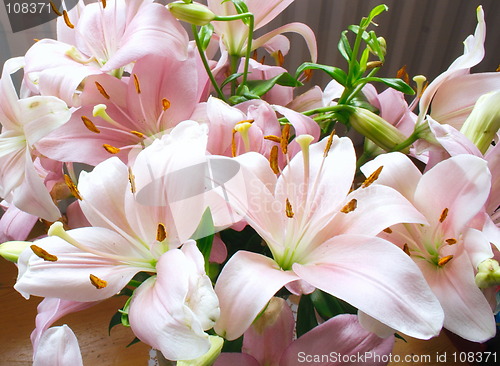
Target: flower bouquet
{"points": [[209, 189]]}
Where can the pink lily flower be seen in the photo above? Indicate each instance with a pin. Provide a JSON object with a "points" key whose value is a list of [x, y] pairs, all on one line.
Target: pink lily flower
{"points": [[318, 237], [117, 115], [58, 347], [134, 29], [25, 122], [269, 341], [234, 34], [448, 250], [454, 92], [243, 128], [94, 263], [16, 224]]}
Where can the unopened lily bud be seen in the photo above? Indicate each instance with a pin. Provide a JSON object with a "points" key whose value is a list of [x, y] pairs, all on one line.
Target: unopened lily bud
{"points": [[488, 274], [484, 121], [11, 250], [382, 44], [193, 13], [208, 358], [377, 129]]}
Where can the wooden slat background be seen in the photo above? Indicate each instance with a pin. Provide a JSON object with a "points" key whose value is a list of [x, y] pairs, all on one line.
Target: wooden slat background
{"points": [[426, 35]]}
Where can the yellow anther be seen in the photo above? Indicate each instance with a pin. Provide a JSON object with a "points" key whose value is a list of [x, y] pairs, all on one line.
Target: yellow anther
{"points": [[273, 138], [373, 177], [42, 253], [103, 3], [329, 144], [136, 83], [101, 90], [165, 104], [54, 9], [138, 134], [373, 64], [131, 179], [307, 74], [288, 209], [443, 216], [406, 249], [403, 75], [451, 241], [66, 20], [444, 260], [285, 136], [273, 159], [351, 206], [161, 232], [233, 144], [90, 125], [388, 230], [97, 282], [72, 187], [111, 149], [280, 58]]}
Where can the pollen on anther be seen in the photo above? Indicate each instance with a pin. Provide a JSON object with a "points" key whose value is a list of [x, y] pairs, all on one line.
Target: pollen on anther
{"points": [[101, 90], [131, 179], [55, 9], [103, 4], [72, 187], [42, 253], [137, 85], [406, 249], [273, 159], [138, 134], [66, 19], [97, 282], [351, 206], [387, 230], [281, 58], [111, 149], [233, 144], [165, 104], [443, 216], [288, 209], [308, 74], [90, 125], [444, 260], [372, 178], [451, 241], [285, 136], [329, 144], [161, 232], [273, 138]]}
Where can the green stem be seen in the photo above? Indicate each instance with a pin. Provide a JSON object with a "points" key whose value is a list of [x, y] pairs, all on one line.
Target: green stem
{"points": [[205, 64], [360, 85], [251, 22], [406, 143]]}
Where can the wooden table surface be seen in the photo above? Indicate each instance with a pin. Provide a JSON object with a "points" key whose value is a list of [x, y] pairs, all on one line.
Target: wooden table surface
{"points": [[91, 328]]}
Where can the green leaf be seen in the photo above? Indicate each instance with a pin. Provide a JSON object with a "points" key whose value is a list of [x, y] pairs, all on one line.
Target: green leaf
{"points": [[205, 35], [374, 44], [241, 8], [329, 306], [364, 60], [334, 72], [233, 346], [260, 87], [344, 46], [115, 320], [400, 337], [231, 78], [376, 11], [204, 242], [134, 341], [306, 317], [394, 83], [355, 29], [124, 313]]}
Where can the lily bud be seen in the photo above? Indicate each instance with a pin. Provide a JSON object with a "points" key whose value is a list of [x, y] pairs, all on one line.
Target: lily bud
{"points": [[193, 13], [488, 274], [11, 250], [377, 129], [208, 358], [484, 121]]}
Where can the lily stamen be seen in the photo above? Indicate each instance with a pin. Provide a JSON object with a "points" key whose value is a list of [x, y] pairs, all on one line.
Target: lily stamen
{"points": [[97, 282], [42, 253]]}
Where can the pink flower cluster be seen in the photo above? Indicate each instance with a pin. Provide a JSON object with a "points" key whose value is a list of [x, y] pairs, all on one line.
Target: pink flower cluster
{"points": [[154, 162]]}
